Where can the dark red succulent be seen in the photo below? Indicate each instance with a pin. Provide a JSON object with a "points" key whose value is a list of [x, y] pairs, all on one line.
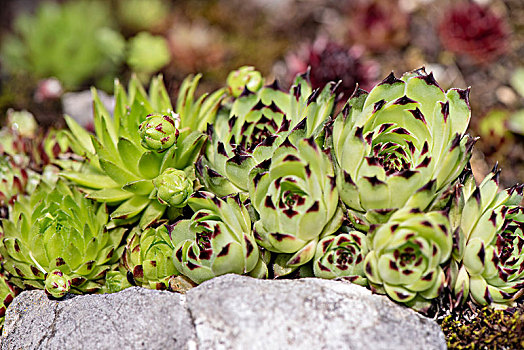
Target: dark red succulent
{"points": [[377, 24], [474, 30], [330, 61]]}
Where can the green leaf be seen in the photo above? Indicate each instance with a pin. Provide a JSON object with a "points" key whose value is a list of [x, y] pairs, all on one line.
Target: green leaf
{"points": [[159, 97], [121, 104], [130, 208], [149, 164], [153, 212], [119, 175], [89, 180], [110, 195], [103, 122], [140, 187], [80, 134], [188, 150], [130, 154]]}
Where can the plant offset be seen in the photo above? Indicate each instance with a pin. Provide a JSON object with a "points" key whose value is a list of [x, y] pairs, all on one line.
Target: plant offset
{"points": [[253, 179]]}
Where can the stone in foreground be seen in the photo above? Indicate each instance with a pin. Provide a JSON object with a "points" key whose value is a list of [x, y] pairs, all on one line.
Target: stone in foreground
{"points": [[136, 318], [228, 312]]}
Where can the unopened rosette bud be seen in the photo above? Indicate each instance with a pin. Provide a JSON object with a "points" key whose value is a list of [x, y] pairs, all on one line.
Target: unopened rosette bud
{"points": [[173, 188], [245, 77], [158, 132], [57, 284]]}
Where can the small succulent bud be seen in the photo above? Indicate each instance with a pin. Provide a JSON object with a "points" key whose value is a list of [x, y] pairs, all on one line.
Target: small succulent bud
{"points": [[245, 77], [57, 284], [158, 132], [173, 188]]}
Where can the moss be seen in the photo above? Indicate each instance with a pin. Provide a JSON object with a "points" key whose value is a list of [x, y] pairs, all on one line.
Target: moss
{"points": [[490, 329]]}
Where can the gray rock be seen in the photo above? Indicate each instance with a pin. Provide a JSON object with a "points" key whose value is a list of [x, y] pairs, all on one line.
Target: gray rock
{"points": [[135, 318], [79, 106], [228, 312], [235, 312]]}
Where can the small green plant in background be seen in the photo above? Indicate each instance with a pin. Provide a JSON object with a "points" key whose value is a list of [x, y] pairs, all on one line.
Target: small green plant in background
{"points": [[146, 54], [516, 120], [72, 42]]}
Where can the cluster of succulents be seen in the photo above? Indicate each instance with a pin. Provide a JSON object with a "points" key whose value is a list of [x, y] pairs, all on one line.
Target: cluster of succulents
{"points": [[253, 179]]}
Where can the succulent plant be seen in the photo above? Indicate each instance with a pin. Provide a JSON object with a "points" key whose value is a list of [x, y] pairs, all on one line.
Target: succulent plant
{"points": [[29, 147], [342, 256], [15, 180], [488, 262], [400, 144], [216, 240], [406, 254], [255, 126], [116, 281], [148, 258], [474, 30], [245, 77], [329, 61], [56, 228], [70, 41], [378, 24], [147, 54], [295, 196], [137, 149], [136, 15]]}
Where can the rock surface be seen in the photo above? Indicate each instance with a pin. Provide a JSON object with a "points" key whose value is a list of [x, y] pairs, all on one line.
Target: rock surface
{"points": [[228, 312]]}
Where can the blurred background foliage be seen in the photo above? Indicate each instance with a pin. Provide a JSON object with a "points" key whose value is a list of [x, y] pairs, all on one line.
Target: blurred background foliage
{"points": [[90, 42]]}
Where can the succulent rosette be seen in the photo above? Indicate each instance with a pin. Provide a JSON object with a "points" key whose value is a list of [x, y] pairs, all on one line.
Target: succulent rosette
{"points": [[342, 256], [475, 30], [27, 145], [217, 240], [295, 197], [400, 144], [58, 229], [15, 180], [329, 61], [148, 258], [116, 281], [378, 25], [144, 139], [245, 77], [488, 262], [255, 125], [406, 255]]}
